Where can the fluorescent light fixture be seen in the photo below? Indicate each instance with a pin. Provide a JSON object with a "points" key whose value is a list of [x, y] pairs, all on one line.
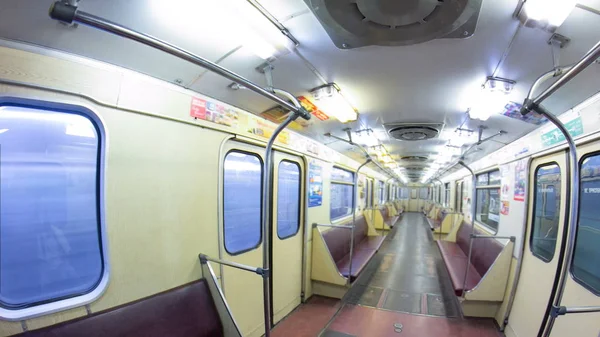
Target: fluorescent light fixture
{"points": [[332, 103], [545, 14], [229, 23], [365, 137], [3, 130], [491, 99]]}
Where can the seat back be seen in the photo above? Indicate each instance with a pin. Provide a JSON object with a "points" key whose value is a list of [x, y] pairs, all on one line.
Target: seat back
{"points": [[338, 239], [484, 251], [180, 312]]}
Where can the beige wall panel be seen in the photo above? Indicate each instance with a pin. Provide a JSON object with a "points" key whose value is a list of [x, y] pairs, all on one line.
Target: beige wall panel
{"points": [[511, 276], [22, 66], [166, 215], [10, 328], [43, 321]]}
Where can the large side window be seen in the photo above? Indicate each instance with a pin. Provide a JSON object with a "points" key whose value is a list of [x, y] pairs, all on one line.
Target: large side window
{"points": [[447, 195], [381, 193], [546, 210], [288, 199], [242, 197], [423, 193], [585, 267], [488, 199], [342, 190], [50, 209]]}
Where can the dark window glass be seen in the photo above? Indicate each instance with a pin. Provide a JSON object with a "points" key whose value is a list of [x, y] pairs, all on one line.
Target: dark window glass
{"points": [[288, 199], [447, 195], [339, 174], [381, 193], [585, 267], [482, 179], [546, 211], [494, 177], [342, 190], [50, 240], [242, 201], [488, 207], [423, 193]]}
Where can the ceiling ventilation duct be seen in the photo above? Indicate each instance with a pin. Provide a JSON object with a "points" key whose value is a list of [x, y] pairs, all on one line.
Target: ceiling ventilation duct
{"points": [[412, 131], [414, 159], [358, 23]]}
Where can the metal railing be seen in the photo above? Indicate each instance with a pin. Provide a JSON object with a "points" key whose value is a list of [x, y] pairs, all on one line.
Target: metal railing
{"points": [[535, 105], [332, 226]]}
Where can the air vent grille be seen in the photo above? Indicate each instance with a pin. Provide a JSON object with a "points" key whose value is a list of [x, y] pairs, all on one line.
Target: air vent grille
{"points": [[359, 23]]}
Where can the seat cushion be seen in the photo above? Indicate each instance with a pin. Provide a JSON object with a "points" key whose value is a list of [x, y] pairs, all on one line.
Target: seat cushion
{"points": [[371, 243], [457, 266], [360, 258], [185, 311], [450, 249], [434, 223]]}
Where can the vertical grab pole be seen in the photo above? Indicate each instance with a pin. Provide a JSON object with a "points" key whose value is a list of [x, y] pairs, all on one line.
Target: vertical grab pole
{"points": [[473, 210], [573, 219], [267, 225], [354, 217], [534, 104]]}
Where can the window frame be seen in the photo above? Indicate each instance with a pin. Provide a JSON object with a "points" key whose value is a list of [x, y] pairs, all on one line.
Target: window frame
{"points": [[341, 182], [535, 196], [572, 265], [75, 300], [262, 167], [299, 198], [487, 186]]}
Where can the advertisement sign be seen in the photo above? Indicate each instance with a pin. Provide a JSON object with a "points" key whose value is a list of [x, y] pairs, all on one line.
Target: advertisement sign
{"points": [[505, 207], [315, 185], [198, 108], [520, 180], [505, 189], [494, 210]]}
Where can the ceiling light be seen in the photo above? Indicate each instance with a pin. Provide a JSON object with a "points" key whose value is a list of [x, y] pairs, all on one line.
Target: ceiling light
{"points": [[3, 130], [491, 99], [545, 14], [332, 103], [365, 137], [232, 22]]}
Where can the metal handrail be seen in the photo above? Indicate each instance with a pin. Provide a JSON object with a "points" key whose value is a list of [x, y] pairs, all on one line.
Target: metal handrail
{"points": [[203, 258], [579, 310], [535, 105], [480, 236], [473, 210], [69, 14], [354, 216], [332, 226]]}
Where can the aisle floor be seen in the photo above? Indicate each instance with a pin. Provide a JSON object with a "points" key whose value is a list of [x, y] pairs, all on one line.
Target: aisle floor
{"points": [[405, 284]]}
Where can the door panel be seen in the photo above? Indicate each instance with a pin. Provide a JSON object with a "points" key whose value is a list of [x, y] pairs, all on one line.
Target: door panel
{"points": [[413, 202], [545, 223], [587, 253], [241, 199], [288, 228]]}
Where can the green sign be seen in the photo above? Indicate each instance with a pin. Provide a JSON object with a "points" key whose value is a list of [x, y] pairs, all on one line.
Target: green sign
{"points": [[554, 136]]}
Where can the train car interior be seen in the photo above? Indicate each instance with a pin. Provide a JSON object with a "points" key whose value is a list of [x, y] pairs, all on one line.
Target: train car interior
{"points": [[300, 168]]}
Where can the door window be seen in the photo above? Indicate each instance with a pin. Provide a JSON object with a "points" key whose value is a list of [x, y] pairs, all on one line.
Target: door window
{"points": [[546, 210], [242, 201], [288, 199], [586, 267]]}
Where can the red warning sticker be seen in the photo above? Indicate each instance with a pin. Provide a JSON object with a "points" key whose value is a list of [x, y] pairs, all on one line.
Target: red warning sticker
{"points": [[198, 108]]}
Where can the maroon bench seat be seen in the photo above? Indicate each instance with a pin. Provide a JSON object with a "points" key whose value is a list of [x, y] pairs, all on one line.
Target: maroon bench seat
{"points": [[455, 256], [389, 220], [185, 311], [365, 247]]}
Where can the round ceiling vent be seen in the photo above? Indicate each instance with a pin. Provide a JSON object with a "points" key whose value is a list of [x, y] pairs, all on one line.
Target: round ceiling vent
{"points": [[414, 158], [358, 23], [413, 133]]}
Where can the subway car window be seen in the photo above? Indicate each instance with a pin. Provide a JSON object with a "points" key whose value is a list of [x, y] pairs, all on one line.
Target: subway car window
{"points": [[381, 193], [585, 267], [447, 195], [288, 199], [488, 200], [50, 239], [342, 189], [242, 196], [546, 210], [423, 193]]}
